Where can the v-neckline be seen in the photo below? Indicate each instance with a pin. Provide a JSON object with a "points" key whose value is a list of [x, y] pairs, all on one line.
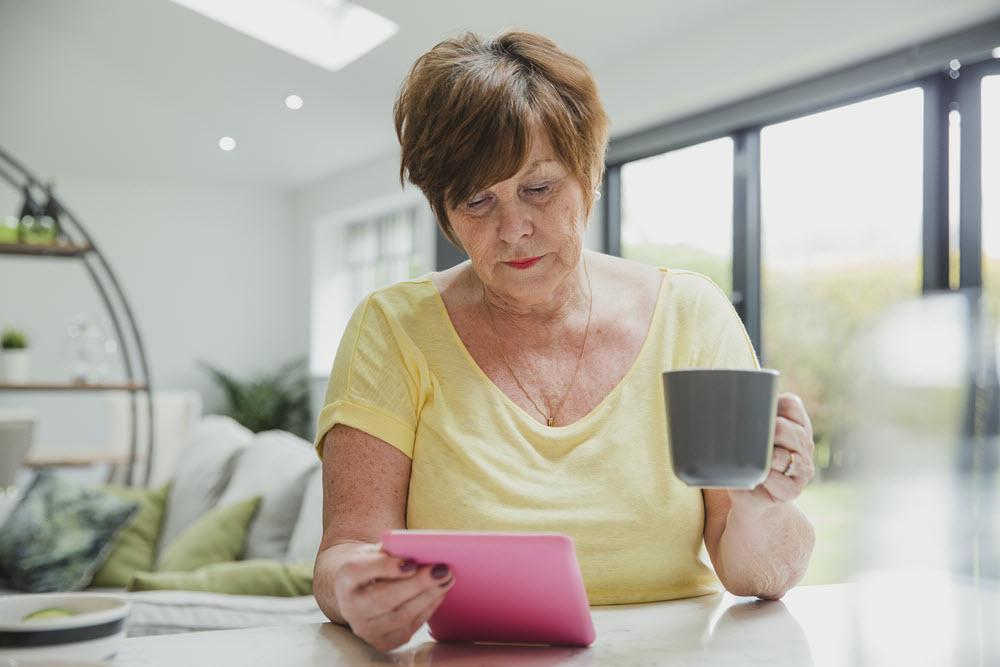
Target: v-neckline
{"points": [[460, 344]]}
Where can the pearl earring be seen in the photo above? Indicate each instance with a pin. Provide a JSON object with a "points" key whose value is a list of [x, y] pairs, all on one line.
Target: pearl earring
{"points": [[597, 195]]}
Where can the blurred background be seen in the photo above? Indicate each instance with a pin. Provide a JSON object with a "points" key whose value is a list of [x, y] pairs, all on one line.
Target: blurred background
{"points": [[823, 162]]}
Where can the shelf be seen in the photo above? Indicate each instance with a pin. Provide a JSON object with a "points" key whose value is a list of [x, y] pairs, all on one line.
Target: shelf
{"points": [[74, 460], [44, 250], [79, 386], [73, 241]]}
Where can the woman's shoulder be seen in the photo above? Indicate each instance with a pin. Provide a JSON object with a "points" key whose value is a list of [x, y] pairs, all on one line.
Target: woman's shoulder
{"points": [[624, 275], [627, 292], [679, 286], [692, 283], [403, 300], [693, 292], [628, 274]]}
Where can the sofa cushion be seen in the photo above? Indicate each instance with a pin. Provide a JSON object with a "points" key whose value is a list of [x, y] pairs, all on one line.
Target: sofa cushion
{"points": [[60, 534], [308, 530], [217, 537], [245, 577], [203, 470], [135, 548], [275, 466]]}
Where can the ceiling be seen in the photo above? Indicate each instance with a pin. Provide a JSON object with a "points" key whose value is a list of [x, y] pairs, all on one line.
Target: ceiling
{"points": [[143, 89]]}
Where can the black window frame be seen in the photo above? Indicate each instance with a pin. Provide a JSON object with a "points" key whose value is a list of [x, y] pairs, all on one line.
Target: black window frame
{"points": [[928, 66]]}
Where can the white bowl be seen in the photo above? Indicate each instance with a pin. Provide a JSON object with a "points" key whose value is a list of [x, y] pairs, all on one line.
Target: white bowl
{"points": [[94, 632]]}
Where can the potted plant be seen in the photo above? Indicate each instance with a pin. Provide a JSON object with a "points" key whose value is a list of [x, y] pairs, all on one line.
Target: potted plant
{"points": [[16, 358], [9, 229], [277, 400]]}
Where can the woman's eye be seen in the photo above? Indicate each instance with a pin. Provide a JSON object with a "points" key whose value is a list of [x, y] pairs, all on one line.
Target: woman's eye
{"points": [[476, 203], [539, 190]]}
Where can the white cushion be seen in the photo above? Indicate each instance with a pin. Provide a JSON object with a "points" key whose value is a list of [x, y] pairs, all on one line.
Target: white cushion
{"points": [[308, 531], [17, 428], [203, 470], [176, 413], [275, 466]]}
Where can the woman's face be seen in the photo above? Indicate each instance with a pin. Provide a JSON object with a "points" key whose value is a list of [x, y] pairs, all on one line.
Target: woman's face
{"points": [[539, 214]]}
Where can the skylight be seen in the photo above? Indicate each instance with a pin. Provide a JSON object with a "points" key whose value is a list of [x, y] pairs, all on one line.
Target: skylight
{"points": [[328, 33]]}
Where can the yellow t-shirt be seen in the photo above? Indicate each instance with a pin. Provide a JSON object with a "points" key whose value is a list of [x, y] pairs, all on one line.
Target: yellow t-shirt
{"points": [[480, 462]]}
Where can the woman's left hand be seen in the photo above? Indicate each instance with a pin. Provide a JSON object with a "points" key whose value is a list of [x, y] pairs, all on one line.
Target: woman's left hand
{"points": [[791, 460]]}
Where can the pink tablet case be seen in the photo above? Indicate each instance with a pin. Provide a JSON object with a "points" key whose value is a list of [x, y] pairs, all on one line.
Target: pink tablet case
{"points": [[509, 587]]}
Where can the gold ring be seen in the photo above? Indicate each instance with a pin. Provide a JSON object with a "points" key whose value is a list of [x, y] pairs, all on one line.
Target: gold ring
{"points": [[787, 472]]}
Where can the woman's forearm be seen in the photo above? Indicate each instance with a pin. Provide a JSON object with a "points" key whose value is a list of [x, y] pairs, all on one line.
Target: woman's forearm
{"points": [[327, 563], [764, 550]]}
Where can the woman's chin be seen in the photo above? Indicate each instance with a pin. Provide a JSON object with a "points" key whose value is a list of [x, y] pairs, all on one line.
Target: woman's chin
{"points": [[530, 292]]}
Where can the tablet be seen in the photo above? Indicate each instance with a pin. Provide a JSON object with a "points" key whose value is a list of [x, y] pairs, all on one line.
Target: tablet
{"points": [[521, 588]]}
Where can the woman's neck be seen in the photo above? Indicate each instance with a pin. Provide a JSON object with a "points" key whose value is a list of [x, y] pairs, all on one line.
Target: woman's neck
{"points": [[539, 323]]}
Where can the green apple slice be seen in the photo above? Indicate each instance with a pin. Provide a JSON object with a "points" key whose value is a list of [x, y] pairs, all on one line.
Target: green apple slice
{"points": [[50, 612]]}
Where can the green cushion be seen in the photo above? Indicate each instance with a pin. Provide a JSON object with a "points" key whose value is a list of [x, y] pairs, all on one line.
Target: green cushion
{"points": [[246, 577], [59, 534], [136, 548], [217, 537]]}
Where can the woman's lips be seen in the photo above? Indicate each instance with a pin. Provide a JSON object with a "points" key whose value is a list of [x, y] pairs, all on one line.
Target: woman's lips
{"points": [[524, 263]]}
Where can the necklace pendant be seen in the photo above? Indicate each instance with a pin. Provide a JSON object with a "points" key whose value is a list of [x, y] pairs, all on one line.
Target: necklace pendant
{"points": [[550, 421]]}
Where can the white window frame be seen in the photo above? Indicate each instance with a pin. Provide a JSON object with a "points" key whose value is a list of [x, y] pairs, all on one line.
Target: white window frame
{"points": [[341, 279]]}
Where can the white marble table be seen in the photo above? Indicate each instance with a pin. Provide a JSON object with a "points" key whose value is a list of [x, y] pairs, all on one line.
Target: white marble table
{"points": [[909, 620]]}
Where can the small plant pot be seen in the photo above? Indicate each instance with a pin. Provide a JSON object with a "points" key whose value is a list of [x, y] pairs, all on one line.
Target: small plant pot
{"points": [[38, 231], [9, 232], [16, 366]]}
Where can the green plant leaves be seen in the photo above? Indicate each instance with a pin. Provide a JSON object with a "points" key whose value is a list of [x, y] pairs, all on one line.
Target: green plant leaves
{"points": [[278, 400], [13, 339]]}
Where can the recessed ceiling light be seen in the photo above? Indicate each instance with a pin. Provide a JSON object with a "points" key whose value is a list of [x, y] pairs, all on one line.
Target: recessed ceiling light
{"points": [[955, 64], [996, 52], [227, 143], [293, 102], [328, 33]]}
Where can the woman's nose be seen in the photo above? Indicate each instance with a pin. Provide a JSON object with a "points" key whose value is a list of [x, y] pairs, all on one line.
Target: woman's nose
{"points": [[515, 221]]}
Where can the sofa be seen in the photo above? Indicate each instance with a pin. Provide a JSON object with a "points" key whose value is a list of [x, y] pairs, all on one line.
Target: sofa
{"points": [[223, 463]]}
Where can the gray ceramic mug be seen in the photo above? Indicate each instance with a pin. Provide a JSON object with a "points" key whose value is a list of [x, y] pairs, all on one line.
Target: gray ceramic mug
{"points": [[721, 425]]}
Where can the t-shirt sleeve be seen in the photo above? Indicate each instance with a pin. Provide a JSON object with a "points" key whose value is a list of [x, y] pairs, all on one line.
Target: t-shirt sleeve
{"points": [[724, 340], [378, 380]]}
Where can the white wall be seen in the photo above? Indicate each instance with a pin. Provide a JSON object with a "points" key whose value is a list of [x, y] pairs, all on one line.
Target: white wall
{"points": [[212, 274]]}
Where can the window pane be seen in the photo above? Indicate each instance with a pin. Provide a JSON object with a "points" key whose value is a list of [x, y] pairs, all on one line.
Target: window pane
{"points": [[350, 260], [841, 206], [991, 199], [677, 210], [841, 217]]}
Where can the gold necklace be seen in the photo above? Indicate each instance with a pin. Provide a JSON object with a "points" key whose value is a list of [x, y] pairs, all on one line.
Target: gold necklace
{"points": [[549, 418]]}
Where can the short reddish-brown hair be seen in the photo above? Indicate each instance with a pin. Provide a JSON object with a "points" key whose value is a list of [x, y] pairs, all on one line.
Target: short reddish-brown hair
{"points": [[466, 109]]}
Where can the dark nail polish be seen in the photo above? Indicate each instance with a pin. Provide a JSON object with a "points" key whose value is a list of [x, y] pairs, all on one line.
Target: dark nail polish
{"points": [[407, 566], [439, 571]]}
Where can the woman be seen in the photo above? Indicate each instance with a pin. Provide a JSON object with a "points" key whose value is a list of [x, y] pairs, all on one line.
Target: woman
{"points": [[521, 390]]}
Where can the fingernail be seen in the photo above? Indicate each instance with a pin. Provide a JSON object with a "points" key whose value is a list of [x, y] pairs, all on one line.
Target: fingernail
{"points": [[407, 566], [439, 571], [447, 583]]}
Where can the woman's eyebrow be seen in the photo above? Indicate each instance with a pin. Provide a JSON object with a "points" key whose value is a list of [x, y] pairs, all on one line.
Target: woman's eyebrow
{"points": [[537, 163]]}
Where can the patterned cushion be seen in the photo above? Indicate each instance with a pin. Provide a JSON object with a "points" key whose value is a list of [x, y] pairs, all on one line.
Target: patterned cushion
{"points": [[59, 534]]}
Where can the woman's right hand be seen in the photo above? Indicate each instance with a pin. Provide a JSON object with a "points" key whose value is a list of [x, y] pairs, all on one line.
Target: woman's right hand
{"points": [[385, 599]]}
